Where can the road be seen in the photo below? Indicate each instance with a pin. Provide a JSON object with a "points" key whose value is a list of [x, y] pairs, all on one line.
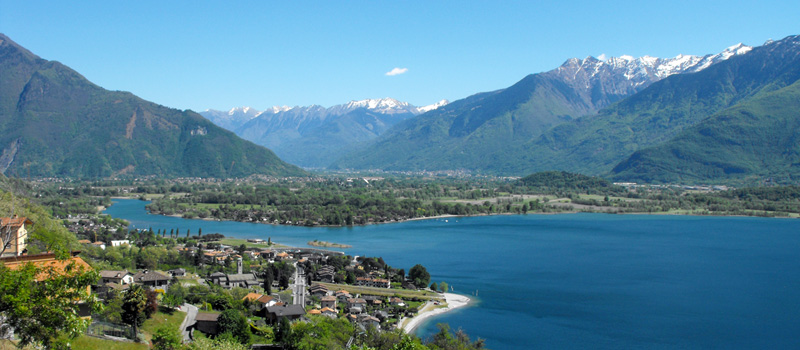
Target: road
{"points": [[191, 314], [299, 286]]}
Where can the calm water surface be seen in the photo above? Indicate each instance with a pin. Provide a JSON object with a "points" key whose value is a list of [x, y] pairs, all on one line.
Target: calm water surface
{"points": [[582, 280]]}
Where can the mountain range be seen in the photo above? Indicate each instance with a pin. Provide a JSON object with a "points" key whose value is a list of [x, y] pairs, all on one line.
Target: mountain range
{"points": [[487, 131], [725, 117], [54, 122], [311, 136]]}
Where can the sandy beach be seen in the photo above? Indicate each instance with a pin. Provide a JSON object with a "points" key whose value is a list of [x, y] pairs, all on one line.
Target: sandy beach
{"points": [[454, 301]]}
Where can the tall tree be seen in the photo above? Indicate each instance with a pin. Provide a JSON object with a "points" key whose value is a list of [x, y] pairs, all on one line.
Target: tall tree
{"points": [[133, 307], [233, 322], [268, 278], [419, 275]]}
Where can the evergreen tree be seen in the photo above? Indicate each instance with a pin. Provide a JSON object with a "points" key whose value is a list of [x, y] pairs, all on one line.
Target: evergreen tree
{"points": [[133, 307]]}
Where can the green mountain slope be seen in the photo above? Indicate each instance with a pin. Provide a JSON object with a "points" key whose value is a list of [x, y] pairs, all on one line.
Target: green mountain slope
{"points": [[756, 138], [491, 132], [660, 112], [467, 133], [54, 122]]}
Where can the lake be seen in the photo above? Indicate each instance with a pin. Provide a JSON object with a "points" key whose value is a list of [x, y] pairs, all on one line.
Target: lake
{"points": [[581, 280]]}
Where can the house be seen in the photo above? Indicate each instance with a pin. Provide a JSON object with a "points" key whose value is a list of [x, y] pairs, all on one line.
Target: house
{"points": [[260, 299], [342, 296], [282, 256], [328, 301], [151, 279], [74, 264], [292, 312], [326, 311], [356, 304], [315, 312], [395, 301], [114, 276], [381, 315], [120, 243], [267, 254], [372, 299], [252, 297], [207, 323], [318, 290], [326, 274], [267, 301], [14, 235], [367, 320], [180, 272], [100, 245]]}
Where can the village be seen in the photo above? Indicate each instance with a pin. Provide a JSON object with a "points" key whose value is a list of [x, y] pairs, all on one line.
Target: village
{"points": [[264, 282]]}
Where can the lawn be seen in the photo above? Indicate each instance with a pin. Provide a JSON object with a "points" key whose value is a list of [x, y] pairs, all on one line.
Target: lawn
{"points": [[92, 343], [174, 318]]}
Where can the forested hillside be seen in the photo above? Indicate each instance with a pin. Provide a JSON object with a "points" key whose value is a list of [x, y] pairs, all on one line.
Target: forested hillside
{"points": [[54, 122]]}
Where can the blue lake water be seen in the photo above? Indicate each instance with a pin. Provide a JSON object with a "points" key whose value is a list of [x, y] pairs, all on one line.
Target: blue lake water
{"points": [[582, 280]]}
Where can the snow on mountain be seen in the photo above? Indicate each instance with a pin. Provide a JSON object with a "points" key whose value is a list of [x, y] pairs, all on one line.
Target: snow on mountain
{"points": [[232, 118], [429, 108], [626, 73]]}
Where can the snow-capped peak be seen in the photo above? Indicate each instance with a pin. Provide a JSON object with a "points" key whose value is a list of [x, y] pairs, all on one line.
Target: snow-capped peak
{"points": [[429, 108], [243, 111], [382, 103], [643, 70], [278, 109]]}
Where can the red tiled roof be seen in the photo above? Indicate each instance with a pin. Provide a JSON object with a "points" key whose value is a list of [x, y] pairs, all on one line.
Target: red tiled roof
{"points": [[46, 260]]}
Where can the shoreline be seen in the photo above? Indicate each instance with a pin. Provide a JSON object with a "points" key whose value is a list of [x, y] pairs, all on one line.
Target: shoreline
{"points": [[454, 301], [447, 216]]}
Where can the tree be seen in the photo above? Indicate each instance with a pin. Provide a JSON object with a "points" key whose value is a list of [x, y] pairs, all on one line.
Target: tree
{"points": [[39, 303], [133, 305], [268, 278], [419, 275], [167, 338], [175, 295], [232, 321], [434, 287], [443, 286], [199, 232], [284, 281], [284, 331]]}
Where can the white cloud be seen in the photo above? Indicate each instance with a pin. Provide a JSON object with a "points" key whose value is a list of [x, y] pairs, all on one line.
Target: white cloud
{"points": [[396, 71]]}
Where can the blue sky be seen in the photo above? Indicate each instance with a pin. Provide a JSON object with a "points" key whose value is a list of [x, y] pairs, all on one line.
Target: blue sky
{"points": [[219, 54]]}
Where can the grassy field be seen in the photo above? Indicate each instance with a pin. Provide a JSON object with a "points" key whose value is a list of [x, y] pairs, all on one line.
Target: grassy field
{"points": [[92, 343], [174, 318], [402, 293]]}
